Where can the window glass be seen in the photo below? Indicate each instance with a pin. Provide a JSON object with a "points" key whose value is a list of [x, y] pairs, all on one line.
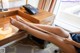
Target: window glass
{"points": [[70, 0]]}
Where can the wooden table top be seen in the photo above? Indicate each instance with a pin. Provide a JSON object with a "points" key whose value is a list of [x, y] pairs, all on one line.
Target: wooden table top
{"points": [[6, 38], [6, 21]]}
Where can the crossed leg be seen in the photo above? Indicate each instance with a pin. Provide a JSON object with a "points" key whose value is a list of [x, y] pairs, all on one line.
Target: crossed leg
{"points": [[51, 37], [56, 30]]}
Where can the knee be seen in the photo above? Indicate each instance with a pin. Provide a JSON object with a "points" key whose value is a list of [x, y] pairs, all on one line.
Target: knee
{"points": [[62, 32], [58, 29]]}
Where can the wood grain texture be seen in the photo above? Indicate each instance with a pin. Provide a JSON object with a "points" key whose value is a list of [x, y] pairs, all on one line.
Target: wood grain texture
{"points": [[12, 38], [5, 19]]}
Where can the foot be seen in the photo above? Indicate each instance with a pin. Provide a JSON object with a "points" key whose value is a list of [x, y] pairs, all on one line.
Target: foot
{"points": [[21, 20], [17, 24], [31, 25], [18, 18]]}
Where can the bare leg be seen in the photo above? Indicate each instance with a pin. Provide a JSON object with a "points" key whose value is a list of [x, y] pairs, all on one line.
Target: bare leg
{"points": [[59, 41], [55, 30]]}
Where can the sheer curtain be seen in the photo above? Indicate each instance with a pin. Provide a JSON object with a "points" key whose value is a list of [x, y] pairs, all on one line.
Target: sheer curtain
{"points": [[47, 5]]}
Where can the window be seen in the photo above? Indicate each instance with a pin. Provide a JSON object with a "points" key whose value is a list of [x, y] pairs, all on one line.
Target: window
{"points": [[70, 0], [65, 17]]}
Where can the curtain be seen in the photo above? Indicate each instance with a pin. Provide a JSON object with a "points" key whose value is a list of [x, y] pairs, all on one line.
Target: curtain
{"points": [[47, 5]]}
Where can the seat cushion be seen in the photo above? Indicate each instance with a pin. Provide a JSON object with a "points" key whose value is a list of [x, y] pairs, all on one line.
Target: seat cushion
{"points": [[76, 37]]}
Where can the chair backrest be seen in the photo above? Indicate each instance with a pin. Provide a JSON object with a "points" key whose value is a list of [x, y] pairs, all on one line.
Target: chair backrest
{"points": [[47, 5]]}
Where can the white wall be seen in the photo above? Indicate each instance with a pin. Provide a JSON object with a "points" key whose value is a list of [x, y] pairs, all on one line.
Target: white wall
{"points": [[13, 4], [23, 2], [17, 3], [33, 2]]}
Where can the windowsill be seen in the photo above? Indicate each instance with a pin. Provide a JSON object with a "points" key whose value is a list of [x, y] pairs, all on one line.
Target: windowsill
{"points": [[67, 26]]}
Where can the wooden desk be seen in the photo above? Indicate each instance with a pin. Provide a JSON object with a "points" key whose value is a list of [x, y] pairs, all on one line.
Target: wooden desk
{"points": [[5, 19], [42, 17], [4, 39]]}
